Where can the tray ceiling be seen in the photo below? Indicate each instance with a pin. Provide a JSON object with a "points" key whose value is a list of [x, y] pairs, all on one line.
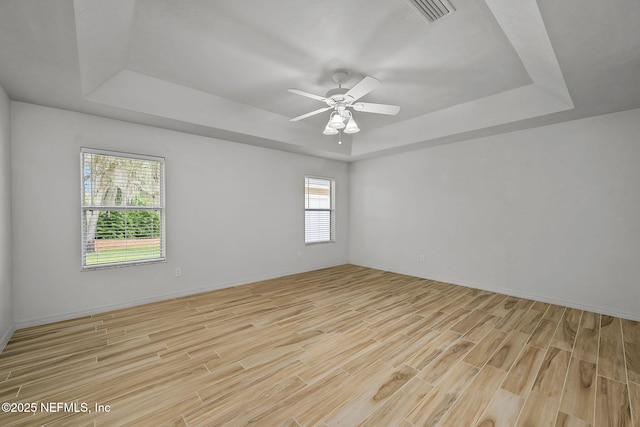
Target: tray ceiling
{"points": [[222, 69]]}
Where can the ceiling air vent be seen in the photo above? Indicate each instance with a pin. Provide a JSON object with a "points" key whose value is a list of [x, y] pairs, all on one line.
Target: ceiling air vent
{"points": [[433, 9]]}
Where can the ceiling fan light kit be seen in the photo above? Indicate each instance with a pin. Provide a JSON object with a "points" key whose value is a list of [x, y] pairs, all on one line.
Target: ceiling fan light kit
{"points": [[340, 100]]}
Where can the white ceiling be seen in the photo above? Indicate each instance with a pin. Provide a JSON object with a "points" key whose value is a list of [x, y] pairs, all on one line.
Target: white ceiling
{"points": [[222, 68]]}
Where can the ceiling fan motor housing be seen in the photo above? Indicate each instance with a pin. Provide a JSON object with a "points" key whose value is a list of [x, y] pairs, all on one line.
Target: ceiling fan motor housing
{"points": [[336, 96]]}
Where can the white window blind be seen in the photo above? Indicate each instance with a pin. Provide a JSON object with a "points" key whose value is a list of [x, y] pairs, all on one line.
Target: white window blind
{"points": [[123, 209], [319, 210]]}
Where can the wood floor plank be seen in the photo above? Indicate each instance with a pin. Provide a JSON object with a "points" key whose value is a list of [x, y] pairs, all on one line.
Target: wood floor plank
{"points": [[586, 347], [396, 408], [522, 375], [504, 307], [301, 400], [492, 302], [483, 351], [350, 348], [414, 353], [418, 328], [469, 322], [457, 304], [611, 351], [631, 334], [9, 393], [432, 317], [374, 353], [503, 410], [290, 344], [511, 320], [612, 403], [153, 411], [383, 381], [542, 335], [403, 323], [552, 373], [336, 346], [538, 411], [426, 354], [508, 351], [530, 321], [479, 298], [442, 365], [565, 335], [481, 329], [451, 320], [579, 394], [634, 401], [566, 420], [378, 385], [441, 398], [243, 378], [469, 407], [245, 406], [540, 306]]}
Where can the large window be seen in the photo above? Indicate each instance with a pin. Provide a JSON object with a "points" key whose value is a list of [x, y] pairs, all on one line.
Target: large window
{"points": [[122, 209], [319, 210]]}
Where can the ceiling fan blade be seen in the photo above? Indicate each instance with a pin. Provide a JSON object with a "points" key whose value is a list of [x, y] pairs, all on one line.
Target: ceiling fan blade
{"points": [[363, 87], [368, 107], [307, 94], [313, 113]]}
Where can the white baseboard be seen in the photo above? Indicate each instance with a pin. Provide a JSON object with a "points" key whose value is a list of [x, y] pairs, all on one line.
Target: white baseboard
{"points": [[521, 294], [4, 339], [543, 298], [36, 321]]}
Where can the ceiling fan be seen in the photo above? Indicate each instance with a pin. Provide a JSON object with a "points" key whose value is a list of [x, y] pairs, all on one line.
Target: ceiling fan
{"points": [[340, 100]]}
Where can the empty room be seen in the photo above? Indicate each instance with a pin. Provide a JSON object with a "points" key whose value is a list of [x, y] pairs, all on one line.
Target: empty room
{"points": [[304, 213]]}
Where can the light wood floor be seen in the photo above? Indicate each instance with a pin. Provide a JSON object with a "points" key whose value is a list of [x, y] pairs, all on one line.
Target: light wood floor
{"points": [[341, 346]]}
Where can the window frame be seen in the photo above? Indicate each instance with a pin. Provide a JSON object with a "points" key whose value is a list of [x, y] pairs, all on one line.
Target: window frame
{"points": [[83, 208], [331, 210]]}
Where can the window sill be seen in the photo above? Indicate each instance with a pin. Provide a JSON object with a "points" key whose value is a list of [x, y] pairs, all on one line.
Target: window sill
{"points": [[319, 243], [122, 264]]}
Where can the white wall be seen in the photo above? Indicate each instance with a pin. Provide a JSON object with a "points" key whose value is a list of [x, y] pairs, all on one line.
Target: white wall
{"points": [[551, 213], [7, 325], [234, 215]]}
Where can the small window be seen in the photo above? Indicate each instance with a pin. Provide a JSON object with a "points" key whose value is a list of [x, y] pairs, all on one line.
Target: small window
{"points": [[123, 213], [319, 210]]}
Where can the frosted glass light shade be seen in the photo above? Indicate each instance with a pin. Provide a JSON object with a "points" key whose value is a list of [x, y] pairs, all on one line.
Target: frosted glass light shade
{"points": [[328, 130], [336, 122], [351, 127]]}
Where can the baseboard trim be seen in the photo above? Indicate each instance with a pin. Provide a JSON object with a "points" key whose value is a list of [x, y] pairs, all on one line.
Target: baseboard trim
{"points": [[4, 340], [37, 321], [543, 298], [521, 294]]}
